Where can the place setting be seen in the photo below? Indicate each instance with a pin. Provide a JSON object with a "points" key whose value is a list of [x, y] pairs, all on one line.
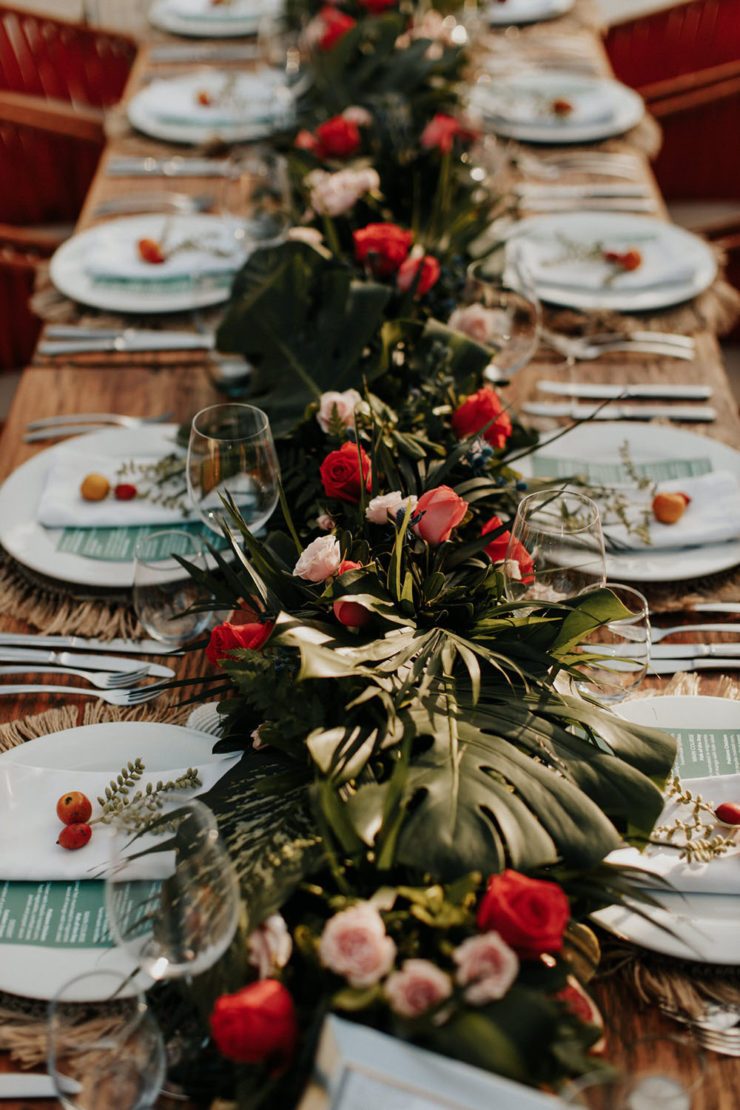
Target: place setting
{"points": [[211, 18], [502, 13]]}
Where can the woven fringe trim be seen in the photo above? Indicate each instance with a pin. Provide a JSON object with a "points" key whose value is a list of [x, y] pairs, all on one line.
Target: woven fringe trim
{"points": [[93, 713], [24, 1033]]}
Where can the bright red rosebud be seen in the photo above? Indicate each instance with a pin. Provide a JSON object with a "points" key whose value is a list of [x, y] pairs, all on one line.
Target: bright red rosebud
{"points": [[476, 411], [441, 132], [530, 914], [383, 247], [228, 637], [336, 24], [408, 270], [337, 138], [497, 548], [258, 1023], [340, 472]]}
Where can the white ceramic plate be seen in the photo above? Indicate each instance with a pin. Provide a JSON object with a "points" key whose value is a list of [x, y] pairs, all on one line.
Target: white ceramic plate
{"points": [[518, 106], [69, 273], [705, 926], [525, 11], [39, 972], [601, 442], [168, 16], [35, 546], [571, 230], [260, 103]]}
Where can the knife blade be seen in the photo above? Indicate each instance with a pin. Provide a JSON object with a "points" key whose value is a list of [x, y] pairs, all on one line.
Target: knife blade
{"points": [[128, 341], [180, 52], [177, 166], [670, 666], [604, 391], [695, 651], [88, 662], [621, 412], [123, 647], [62, 430], [715, 607], [529, 190], [23, 1085]]}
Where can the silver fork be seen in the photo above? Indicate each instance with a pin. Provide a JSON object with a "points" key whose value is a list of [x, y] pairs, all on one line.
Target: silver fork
{"points": [[96, 418], [605, 164], [574, 347], [115, 697], [104, 680]]}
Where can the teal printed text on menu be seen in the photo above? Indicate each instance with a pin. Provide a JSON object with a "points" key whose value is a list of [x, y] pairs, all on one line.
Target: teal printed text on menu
{"points": [[117, 545], [611, 473], [57, 914], [702, 754]]}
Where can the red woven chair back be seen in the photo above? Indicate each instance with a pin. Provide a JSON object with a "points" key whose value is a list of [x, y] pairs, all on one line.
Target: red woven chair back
{"points": [[679, 39], [44, 178], [54, 58], [19, 328]]}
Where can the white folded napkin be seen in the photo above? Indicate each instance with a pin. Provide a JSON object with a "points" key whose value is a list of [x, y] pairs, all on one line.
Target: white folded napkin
{"points": [[62, 505], [712, 515], [253, 97], [29, 825], [520, 106], [210, 251], [662, 264], [719, 876], [235, 10]]}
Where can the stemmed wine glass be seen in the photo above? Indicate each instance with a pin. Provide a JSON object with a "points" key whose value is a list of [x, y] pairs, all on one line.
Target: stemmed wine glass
{"points": [[503, 287], [231, 453], [164, 593], [256, 193], [619, 650], [556, 547]]}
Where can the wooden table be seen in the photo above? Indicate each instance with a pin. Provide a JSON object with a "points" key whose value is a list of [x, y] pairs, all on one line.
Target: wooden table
{"points": [[148, 384]]}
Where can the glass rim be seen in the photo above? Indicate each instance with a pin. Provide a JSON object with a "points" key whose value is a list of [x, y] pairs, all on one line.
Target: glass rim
{"points": [[134, 993], [194, 540], [550, 495], [262, 420]]}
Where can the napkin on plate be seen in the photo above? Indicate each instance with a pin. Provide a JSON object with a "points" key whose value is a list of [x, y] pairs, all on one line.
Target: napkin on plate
{"points": [[719, 876], [253, 98], [29, 825], [199, 253], [235, 10], [712, 515], [62, 506], [551, 261], [521, 106]]}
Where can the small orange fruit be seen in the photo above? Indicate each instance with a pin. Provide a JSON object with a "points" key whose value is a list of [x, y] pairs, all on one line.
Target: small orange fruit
{"points": [[73, 807], [669, 507], [74, 836], [95, 487]]}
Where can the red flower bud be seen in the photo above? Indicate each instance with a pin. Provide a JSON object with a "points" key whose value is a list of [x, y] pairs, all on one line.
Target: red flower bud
{"points": [[255, 1024]]}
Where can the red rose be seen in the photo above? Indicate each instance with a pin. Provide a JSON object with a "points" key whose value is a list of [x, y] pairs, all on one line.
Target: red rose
{"points": [[496, 550], [442, 511], [340, 472], [255, 1024], [336, 24], [408, 269], [480, 408], [228, 636], [383, 247], [375, 7], [441, 132], [530, 914], [337, 138], [350, 613]]}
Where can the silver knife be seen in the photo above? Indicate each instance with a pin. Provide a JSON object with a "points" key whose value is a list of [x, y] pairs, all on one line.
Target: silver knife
{"points": [[59, 431], [655, 391], [88, 662], [23, 1085], [620, 412], [179, 52], [598, 204], [716, 607], [670, 666], [695, 651], [124, 647], [128, 341], [570, 192], [177, 166]]}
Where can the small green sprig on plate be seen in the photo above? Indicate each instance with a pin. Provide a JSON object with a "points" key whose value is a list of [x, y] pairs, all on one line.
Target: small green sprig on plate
{"points": [[135, 810]]}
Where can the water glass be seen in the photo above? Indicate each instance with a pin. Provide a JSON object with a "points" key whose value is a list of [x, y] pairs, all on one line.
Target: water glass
{"points": [[176, 909], [503, 287], [256, 191], [232, 454], [164, 592], [624, 647], [104, 1049], [556, 547]]}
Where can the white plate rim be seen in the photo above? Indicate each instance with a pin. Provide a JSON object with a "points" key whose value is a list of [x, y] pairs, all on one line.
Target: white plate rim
{"points": [[629, 108], [111, 741], [162, 16], [663, 711], [140, 117], [548, 9], [622, 300], [67, 271], [661, 565], [22, 489]]}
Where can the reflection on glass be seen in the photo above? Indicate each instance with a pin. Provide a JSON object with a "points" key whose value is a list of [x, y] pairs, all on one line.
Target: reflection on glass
{"points": [[623, 648], [164, 591]]}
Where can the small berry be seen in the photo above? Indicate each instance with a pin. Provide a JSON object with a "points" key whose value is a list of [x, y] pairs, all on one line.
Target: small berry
{"points": [[94, 487], [561, 107], [150, 251], [204, 98], [728, 813], [74, 807], [124, 491], [74, 836], [669, 507]]}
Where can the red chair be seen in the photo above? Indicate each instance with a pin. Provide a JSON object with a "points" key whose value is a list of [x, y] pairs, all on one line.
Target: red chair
{"points": [[21, 253]]}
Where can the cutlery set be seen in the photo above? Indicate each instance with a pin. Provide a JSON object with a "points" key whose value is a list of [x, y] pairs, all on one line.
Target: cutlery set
{"points": [[69, 339]]}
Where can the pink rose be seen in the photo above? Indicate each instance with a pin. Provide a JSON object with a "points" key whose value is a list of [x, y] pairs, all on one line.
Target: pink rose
{"points": [[325, 522], [486, 967], [320, 559], [354, 944], [477, 322], [269, 946], [441, 132], [335, 193], [416, 988], [442, 511], [408, 270], [339, 406], [386, 506]]}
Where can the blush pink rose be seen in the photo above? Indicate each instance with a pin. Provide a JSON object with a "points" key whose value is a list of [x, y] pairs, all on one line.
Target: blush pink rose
{"points": [[386, 506], [341, 405], [486, 967], [320, 559], [269, 946], [416, 988], [354, 944], [479, 323], [442, 511]]}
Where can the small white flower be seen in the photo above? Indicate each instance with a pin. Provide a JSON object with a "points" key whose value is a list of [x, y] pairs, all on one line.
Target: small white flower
{"points": [[325, 522], [386, 506], [358, 115], [270, 946]]}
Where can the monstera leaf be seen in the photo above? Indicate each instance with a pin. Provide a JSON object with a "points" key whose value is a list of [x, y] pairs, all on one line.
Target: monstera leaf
{"points": [[304, 321]]}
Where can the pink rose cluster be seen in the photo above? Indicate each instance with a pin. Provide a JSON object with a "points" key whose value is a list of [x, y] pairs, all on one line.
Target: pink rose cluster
{"points": [[333, 194]]}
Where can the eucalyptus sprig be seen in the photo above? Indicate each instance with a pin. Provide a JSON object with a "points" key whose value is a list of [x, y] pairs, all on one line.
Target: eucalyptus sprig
{"points": [[136, 810]]}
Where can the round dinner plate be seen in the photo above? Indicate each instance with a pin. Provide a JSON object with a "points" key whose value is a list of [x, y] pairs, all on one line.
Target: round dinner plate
{"points": [[525, 11], [36, 971], [168, 15], [703, 927], [600, 442], [518, 106], [585, 231], [69, 274], [35, 546], [147, 109]]}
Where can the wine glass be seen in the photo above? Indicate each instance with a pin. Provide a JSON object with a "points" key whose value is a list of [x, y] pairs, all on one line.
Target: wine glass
{"points": [[256, 192], [104, 1048], [175, 909], [231, 452], [503, 288], [556, 547], [623, 644], [164, 592]]}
